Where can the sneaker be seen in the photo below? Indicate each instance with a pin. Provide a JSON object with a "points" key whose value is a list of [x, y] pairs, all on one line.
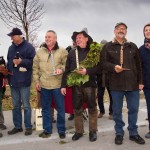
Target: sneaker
{"points": [[3, 127], [100, 115], [14, 131], [1, 135], [62, 135], [118, 139], [137, 139], [28, 131], [147, 135], [44, 135]]}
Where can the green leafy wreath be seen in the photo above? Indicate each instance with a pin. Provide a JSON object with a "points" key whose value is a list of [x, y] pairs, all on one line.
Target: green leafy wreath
{"points": [[91, 60]]}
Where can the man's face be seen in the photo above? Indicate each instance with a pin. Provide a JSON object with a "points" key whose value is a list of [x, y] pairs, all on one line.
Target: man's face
{"points": [[81, 41], [16, 39], [147, 32], [120, 31], [50, 39]]}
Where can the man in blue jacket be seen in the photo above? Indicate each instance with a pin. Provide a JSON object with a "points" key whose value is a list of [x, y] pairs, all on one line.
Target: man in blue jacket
{"points": [[20, 59]]}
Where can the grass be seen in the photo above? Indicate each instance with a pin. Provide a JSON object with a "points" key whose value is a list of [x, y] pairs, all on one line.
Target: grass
{"points": [[7, 101]]}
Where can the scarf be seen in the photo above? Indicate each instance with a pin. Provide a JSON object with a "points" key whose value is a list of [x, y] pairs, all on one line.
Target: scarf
{"points": [[147, 43]]}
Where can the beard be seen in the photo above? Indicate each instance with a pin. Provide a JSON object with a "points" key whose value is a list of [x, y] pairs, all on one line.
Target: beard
{"points": [[121, 35]]}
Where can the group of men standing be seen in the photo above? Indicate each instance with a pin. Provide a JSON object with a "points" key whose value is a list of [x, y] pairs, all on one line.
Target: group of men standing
{"points": [[51, 67]]}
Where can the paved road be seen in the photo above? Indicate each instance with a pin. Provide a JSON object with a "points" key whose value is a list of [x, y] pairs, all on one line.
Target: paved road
{"points": [[105, 136]]}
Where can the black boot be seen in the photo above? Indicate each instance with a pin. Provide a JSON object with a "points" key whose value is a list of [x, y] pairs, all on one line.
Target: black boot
{"points": [[92, 136], [76, 136], [71, 117]]}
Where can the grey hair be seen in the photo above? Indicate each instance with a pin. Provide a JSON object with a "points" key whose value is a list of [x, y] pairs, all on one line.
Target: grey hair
{"points": [[52, 32]]}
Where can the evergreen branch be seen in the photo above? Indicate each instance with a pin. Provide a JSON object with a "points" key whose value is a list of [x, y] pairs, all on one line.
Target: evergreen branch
{"points": [[91, 60]]}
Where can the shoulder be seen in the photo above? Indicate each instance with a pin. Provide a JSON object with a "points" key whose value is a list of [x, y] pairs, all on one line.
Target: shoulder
{"points": [[72, 51], [41, 50], [28, 45], [133, 44], [61, 49], [142, 50], [142, 47], [107, 45]]}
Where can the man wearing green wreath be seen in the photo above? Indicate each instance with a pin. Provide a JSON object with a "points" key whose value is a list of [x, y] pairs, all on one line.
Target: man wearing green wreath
{"points": [[84, 91]]}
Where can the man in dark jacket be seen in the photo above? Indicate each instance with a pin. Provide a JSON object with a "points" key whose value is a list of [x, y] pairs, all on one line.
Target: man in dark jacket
{"points": [[20, 59], [121, 58], [87, 91], [102, 81]]}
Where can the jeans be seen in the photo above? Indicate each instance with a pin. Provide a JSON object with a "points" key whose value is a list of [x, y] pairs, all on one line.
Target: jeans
{"points": [[21, 95], [101, 91], [46, 101], [147, 97], [132, 99]]}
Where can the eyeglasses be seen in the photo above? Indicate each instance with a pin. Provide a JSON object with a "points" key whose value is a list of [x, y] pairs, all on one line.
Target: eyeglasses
{"points": [[119, 29]]}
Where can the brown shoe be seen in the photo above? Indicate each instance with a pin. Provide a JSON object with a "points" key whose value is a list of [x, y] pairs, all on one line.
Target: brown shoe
{"points": [[14, 131], [3, 127], [28, 131], [44, 135], [100, 115]]}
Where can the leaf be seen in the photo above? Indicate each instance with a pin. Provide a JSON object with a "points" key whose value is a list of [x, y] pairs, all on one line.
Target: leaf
{"points": [[62, 142], [91, 60]]}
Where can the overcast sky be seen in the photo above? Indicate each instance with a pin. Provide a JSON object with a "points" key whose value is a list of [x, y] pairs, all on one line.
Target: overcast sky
{"points": [[99, 16]]}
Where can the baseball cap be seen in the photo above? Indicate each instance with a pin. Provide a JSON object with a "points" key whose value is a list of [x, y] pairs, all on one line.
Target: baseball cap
{"points": [[120, 23], [15, 31]]}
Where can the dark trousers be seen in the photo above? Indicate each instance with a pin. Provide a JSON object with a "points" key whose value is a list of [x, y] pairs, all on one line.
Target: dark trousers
{"points": [[101, 91], [80, 95], [147, 97], [1, 111]]}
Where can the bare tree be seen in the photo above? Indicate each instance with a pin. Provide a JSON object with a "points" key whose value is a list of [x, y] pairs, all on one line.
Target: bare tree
{"points": [[24, 14]]}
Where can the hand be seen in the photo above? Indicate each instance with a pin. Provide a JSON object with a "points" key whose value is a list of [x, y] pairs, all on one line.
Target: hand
{"points": [[63, 91], [38, 87], [17, 61], [3, 70], [141, 86], [118, 69], [81, 71], [58, 71]]}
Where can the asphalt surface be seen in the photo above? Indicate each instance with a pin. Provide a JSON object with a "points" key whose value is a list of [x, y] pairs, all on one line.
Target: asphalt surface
{"points": [[105, 133]]}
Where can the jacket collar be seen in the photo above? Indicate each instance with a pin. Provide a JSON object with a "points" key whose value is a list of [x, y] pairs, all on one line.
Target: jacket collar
{"points": [[23, 40], [54, 48], [114, 41]]}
